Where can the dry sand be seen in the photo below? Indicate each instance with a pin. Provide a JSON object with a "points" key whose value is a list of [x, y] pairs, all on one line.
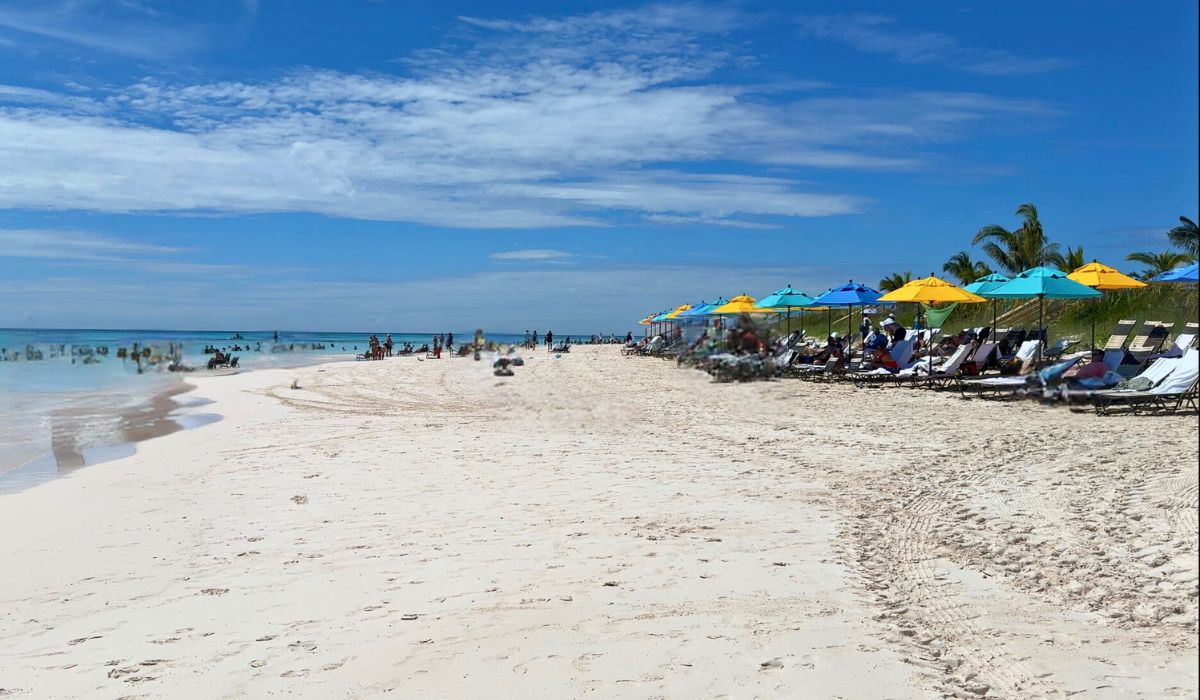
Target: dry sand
{"points": [[614, 527]]}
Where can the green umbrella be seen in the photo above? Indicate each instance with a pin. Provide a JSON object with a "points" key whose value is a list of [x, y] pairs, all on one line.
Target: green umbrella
{"points": [[1042, 283]]}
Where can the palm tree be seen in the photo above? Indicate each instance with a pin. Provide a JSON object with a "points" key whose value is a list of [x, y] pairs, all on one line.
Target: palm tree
{"points": [[1017, 250], [1073, 260], [1186, 236], [1158, 263], [965, 269], [894, 281]]}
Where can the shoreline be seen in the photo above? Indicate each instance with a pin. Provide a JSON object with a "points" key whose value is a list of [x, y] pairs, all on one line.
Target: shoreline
{"points": [[86, 434], [430, 528]]}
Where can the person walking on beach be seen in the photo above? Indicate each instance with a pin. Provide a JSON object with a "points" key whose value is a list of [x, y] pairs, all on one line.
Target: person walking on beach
{"points": [[389, 344], [534, 342], [450, 343], [549, 339]]}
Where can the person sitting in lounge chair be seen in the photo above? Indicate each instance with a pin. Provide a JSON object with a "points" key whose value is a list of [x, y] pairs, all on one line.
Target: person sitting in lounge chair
{"points": [[1094, 369], [881, 358]]}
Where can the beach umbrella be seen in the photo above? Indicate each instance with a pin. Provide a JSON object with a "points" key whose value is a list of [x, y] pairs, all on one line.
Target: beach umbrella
{"points": [[1186, 273], [702, 310], [741, 304], [676, 312], [931, 290], [1042, 283], [1102, 277], [850, 294], [788, 299], [982, 286]]}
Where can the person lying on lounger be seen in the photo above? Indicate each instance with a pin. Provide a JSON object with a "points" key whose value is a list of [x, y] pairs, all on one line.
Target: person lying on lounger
{"points": [[1094, 369]]}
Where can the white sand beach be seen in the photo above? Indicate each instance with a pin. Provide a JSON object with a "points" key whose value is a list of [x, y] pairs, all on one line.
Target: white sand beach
{"points": [[610, 527]]}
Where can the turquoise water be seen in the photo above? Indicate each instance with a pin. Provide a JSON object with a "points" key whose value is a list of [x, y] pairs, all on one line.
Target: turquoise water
{"points": [[72, 382]]}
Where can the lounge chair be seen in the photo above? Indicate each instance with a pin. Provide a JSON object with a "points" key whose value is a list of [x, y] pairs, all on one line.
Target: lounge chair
{"points": [[1177, 391], [1149, 341], [982, 357], [1120, 334], [917, 373], [1059, 349], [1025, 355], [1019, 386], [1150, 377], [1182, 342]]}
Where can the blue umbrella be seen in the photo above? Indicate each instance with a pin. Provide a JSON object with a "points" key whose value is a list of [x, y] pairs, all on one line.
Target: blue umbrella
{"points": [[701, 310], [1042, 283], [1187, 273], [849, 294], [982, 286], [786, 298]]}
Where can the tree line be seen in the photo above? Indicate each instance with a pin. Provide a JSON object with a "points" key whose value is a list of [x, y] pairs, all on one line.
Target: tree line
{"points": [[1027, 246]]}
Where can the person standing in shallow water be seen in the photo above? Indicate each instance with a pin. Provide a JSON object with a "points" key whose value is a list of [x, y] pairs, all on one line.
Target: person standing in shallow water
{"points": [[450, 342], [549, 339], [534, 343]]}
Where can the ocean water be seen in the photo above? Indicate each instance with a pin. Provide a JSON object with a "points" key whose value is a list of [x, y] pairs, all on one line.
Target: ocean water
{"points": [[67, 391]]}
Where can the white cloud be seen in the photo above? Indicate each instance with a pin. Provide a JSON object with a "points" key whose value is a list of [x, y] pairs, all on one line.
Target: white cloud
{"points": [[54, 244], [127, 28], [537, 254], [879, 34], [539, 123]]}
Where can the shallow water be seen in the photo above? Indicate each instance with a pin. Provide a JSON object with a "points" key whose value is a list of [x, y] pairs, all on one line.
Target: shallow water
{"points": [[68, 400]]}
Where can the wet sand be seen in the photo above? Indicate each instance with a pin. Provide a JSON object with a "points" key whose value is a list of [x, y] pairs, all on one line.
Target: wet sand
{"points": [[96, 428], [615, 527]]}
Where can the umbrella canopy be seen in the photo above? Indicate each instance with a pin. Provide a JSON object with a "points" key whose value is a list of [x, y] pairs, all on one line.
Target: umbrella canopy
{"points": [[786, 298], [986, 284], [741, 304], [1044, 282], [930, 290], [849, 294], [678, 310], [647, 320], [1187, 273], [662, 316], [1099, 276], [702, 309]]}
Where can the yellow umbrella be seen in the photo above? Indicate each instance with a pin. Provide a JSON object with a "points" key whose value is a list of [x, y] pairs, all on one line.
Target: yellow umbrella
{"points": [[741, 304], [929, 290], [1099, 276], [646, 321], [678, 311]]}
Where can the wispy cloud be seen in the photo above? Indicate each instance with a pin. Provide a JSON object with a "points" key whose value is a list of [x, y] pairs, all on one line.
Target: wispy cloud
{"points": [[542, 122], [126, 28], [55, 244], [879, 34], [535, 254]]}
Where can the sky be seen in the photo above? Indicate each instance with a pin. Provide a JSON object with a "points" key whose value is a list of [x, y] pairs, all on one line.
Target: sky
{"points": [[418, 166]]}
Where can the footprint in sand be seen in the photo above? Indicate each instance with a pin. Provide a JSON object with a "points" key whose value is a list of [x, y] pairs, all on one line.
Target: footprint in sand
{"points": [[306, 646]]}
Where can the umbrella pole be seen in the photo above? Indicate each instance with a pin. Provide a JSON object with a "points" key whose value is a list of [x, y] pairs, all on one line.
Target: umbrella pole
{"points": [[1041, 328], [789, 320], [850, 334], [1094, 302], [829, 322]]}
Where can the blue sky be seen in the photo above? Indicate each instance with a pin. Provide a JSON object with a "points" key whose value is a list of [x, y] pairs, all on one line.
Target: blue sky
{"points": [[422, 166]]}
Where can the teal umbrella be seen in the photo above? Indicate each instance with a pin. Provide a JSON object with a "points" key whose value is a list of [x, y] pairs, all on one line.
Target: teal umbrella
{"points": [[982, 286], [1042, 283], [786, 298]]}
